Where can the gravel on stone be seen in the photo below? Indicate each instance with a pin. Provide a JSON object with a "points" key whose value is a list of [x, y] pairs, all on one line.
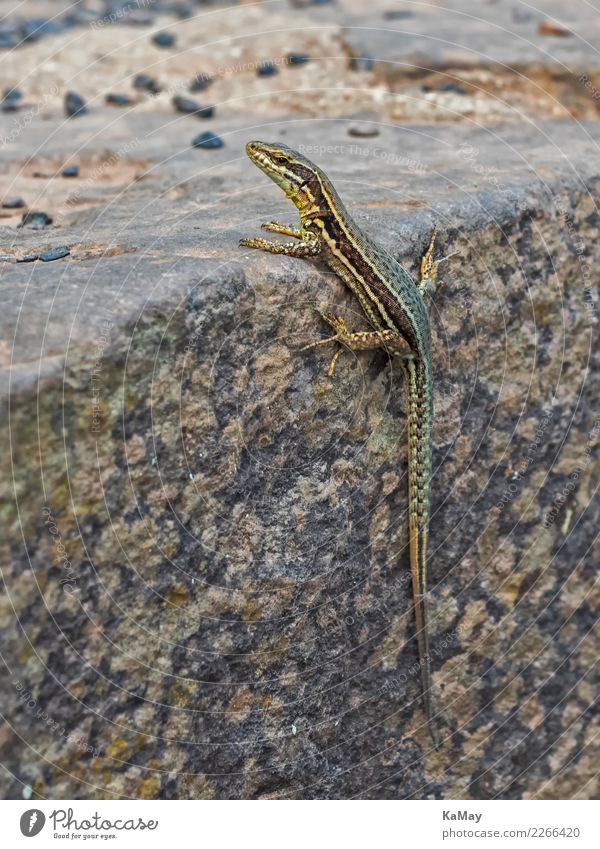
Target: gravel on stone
{"points": [[55, 253], [208, 140], [74, 104], [36, 219]]}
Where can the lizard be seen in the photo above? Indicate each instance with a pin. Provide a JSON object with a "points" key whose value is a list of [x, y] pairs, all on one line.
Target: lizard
{"points": [[395, 307]]}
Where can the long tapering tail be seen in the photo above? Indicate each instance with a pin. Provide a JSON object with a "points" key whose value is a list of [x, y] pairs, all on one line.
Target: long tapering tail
{"points": [[420, 416]]}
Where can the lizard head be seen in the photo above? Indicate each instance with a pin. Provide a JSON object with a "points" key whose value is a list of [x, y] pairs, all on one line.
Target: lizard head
{"points": [[290, 170]]}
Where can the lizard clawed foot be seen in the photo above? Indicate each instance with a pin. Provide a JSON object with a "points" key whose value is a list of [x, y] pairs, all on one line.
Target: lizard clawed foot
{"points": [[285, 230], [308, 248], [341, 336], [253, 243], [439, 283]]}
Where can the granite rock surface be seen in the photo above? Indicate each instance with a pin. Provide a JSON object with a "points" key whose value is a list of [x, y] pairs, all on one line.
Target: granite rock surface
{"points": [[204, 558]]}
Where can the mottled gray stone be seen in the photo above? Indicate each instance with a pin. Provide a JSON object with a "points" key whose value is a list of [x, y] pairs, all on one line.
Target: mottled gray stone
{"points": [[472, 34], [233, 618]]}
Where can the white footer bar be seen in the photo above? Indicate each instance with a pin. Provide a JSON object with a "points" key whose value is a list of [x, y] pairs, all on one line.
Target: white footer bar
{"points": [[302, 824]]}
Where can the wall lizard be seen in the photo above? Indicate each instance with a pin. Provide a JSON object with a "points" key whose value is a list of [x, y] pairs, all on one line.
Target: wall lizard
{"points": [[395, 307]]}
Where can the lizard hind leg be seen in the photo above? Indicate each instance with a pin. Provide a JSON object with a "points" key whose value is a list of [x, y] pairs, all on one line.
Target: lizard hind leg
{"points": [[362, 340]]}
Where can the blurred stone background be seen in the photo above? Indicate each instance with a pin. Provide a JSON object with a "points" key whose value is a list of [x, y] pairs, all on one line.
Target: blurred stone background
{"points": [[205, 579]]}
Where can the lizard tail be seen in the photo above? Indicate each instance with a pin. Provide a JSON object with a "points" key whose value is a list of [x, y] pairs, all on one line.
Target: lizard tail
{"points": [[420, 414]]}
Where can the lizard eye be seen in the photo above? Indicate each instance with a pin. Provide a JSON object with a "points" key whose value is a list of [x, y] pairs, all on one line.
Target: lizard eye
{"points": [[280, 160]]}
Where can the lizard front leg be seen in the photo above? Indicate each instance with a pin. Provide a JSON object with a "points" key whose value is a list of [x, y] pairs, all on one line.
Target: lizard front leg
{"points": [[310, 247], [428, 282], [428, 279]]}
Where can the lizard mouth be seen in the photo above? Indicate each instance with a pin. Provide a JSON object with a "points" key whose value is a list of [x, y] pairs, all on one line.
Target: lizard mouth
{"points": [[256, 152]]}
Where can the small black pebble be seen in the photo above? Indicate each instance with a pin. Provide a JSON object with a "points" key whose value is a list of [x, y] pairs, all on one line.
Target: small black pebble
{"points": [[200, 82], [10, 101], [55, 253], [363, 131], [267, 69], [208, 140], [118, 99], [183, 10], [37, 27], [185, 105], [138, 17], [74, 104], [80, 16], [13, 203], [164, 39], [9, 39], [297, 58], [453, 87], [35, 219], [71, 171], [361, 63], [426, 88], [190, 107], [143, 82]]}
